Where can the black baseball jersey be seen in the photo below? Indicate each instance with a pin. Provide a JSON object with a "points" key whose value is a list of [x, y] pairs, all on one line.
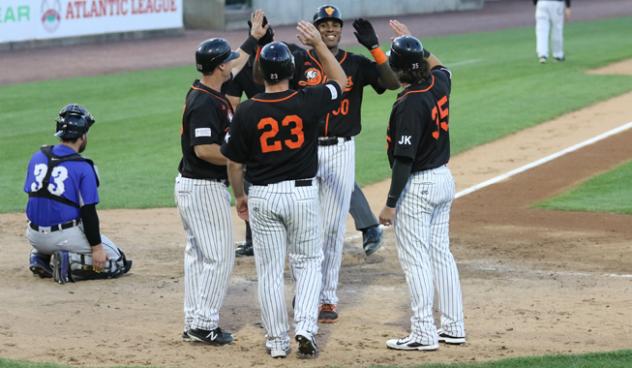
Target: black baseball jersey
{"points": [[243, 82], [419, 124], [205, 120], [345, 119], [275, 134]]}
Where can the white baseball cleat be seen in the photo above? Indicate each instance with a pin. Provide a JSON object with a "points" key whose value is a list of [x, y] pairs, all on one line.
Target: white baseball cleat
{"points": [[407, 343]]}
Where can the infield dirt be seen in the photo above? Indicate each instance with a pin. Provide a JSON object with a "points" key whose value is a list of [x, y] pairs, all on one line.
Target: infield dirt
{"points": [[534, 281]]}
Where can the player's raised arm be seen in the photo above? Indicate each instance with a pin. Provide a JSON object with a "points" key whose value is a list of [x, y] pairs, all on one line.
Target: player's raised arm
{"points": [[366, 35], [249, 47], [309, 35], [400, 29]]}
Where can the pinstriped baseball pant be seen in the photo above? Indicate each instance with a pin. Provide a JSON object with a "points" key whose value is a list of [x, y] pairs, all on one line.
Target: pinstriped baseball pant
{"points": [[285, 218], [423, 243], [209, 255], [336, 174]]}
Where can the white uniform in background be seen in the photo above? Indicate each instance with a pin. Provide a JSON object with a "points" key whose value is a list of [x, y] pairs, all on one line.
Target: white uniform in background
{"points": [[549, 22]]}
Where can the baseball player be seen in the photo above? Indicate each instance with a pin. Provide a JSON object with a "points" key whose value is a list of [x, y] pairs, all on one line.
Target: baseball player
{"points": [[549, 21], [359, 209], [421, 193], [63, 225], [201, 191], [274, 135], [336, 147]]}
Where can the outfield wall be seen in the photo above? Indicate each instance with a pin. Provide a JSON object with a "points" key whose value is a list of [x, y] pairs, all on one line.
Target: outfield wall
{"points": [[213, 15], [305, 9]]}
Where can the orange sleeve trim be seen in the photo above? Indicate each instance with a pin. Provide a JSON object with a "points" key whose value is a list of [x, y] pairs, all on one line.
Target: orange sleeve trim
{"points": [[343, 58], [258, 53], [277, 100], [379, 56]]}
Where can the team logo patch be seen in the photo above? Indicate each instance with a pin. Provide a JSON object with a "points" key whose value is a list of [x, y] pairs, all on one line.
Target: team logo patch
{"points": [[313, 77], [329, 10], [202, 132], [51, 15]]}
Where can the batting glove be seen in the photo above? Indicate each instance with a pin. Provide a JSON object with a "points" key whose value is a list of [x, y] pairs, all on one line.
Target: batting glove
{"points": [[365, 33]]}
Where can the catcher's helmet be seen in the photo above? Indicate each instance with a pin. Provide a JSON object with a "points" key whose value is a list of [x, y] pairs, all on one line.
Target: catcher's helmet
{"points": [[213, 52], [73, 121], [407, 53], [277, 62], [327, 12]]}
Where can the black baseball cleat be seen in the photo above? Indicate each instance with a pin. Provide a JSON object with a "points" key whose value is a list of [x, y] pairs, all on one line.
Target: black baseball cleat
{"points": [[449, 339], [560, 59], [307, 347], [244, 249], [211, 337], [186, 337], [372, 239]]}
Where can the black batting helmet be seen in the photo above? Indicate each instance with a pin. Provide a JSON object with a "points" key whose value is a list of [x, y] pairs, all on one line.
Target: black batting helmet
{"points": [[73, 121], [213, 52], [407, 53], [327, 12], [277, 62]]}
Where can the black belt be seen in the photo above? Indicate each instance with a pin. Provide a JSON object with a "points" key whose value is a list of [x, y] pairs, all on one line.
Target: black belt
{"points": [[297, 183], [330, 141], [223, 181], [66, 225]]}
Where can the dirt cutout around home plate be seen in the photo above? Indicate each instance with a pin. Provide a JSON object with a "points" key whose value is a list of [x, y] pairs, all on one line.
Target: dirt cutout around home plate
{"points": [[534, 281]]}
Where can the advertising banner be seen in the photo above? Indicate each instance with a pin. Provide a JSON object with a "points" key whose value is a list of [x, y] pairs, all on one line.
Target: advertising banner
{"points": [[25, 20]]}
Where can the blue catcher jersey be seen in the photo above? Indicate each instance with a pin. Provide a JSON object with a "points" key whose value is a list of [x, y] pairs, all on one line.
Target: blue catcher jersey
{"points": [[70, 182]]}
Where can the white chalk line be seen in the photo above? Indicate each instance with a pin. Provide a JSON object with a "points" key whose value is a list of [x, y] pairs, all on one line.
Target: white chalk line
{"points": [[544, 160], [492, 268], [532, 165]]}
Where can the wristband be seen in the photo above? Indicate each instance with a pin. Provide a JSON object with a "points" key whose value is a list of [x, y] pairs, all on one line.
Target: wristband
{"points": [[379, 56], [250, 45], [391, 201]]}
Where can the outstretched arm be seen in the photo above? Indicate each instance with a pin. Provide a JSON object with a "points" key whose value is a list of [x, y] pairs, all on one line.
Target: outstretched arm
{"points": [[366, 35], [249, 47], [400, 29]]}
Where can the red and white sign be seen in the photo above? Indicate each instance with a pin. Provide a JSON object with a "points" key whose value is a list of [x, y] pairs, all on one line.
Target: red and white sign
{"points": [[23, 20]]}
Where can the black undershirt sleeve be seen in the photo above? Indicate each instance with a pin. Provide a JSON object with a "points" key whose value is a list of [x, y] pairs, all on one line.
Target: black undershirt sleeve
{"points": [[91, 224], [402, 168]]}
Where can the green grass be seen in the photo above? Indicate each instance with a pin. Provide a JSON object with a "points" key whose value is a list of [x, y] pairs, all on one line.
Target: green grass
{"points": [[609, 192], [616, 359], [499, 88]]}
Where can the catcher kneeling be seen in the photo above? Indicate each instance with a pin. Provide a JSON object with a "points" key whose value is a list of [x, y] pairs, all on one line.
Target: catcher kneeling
{"points": [[63, 226]]}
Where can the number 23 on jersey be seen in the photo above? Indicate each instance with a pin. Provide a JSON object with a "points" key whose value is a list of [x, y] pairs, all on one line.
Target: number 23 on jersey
{"points": [[269, 128]]}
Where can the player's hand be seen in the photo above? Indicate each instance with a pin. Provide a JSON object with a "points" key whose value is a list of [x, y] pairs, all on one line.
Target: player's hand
{"points": [[387, 216], [399, 28], [268, 37], [308, 34], [567, 13], [258, 29], [365, 33], [99, 258], [241, 204]]}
